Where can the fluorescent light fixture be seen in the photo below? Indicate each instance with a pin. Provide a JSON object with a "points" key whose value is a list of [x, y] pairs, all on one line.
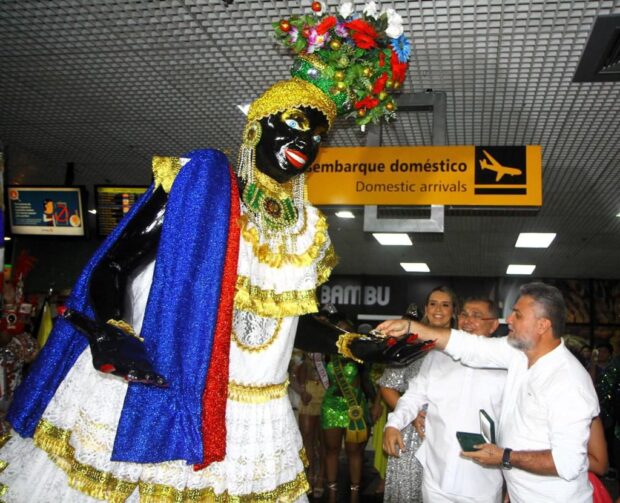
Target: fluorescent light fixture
{"points": [[535, 239], [92, 212], [520, 269], [244, 108], [415, 266], [392, 238], [618, 215], [345, 214], [7, 238]]}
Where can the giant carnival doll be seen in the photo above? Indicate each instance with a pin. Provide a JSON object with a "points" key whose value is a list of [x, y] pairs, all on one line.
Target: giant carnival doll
{"points": [[167, 378]]}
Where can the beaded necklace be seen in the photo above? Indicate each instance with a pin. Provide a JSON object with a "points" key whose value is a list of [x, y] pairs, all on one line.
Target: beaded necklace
{"points": [[274, 208], [270, 203]]}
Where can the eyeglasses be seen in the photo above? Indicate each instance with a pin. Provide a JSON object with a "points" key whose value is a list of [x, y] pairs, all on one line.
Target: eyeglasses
{"points": [[475, 316]]}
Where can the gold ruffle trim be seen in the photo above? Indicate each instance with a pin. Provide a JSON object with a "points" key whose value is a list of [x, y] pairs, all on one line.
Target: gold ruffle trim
{"points": [[256, 394], [304, 457], [165, 170], [3, 464], [103, 485], [280, 257], [326, 265], [269, 304], [292, 93], [157, 493], [84, 478]]}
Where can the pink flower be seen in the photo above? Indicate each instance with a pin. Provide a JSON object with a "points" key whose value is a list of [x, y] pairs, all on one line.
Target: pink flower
{"points": [[316, 41], [293, 35], [341, 31]]}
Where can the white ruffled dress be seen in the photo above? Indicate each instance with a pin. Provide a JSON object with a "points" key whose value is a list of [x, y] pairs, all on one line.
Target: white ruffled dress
{"points": [[69, 460]]}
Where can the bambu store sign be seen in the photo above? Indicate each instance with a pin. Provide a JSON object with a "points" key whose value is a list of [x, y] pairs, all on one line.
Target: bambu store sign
{"points": [[448, 175]]}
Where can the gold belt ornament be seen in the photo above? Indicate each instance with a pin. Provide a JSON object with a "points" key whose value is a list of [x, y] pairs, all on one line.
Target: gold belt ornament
{"points": [[256, 394]]}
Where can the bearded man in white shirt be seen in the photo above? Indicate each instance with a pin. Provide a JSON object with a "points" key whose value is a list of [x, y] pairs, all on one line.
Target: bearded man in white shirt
{"points": [[548, 403], [455, 394]]}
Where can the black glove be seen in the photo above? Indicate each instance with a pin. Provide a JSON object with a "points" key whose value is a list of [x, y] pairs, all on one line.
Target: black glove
{"points": [[115, 352], [396, 351]]}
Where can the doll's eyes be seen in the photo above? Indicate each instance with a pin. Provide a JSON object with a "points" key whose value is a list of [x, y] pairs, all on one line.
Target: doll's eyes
{"points": [[292, 123]]}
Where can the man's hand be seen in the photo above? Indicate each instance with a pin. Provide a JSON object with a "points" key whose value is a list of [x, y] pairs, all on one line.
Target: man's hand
{"points": [[394, 328], [114, 351], [398, 328], [419, 423], [486, 455], [393, 443]]}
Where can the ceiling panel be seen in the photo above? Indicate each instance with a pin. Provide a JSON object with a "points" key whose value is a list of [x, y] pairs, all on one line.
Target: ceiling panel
{"points": [[108, 84]]}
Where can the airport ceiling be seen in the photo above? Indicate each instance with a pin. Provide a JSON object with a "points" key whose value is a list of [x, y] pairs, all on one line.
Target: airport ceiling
{"points": [[106, 84]]}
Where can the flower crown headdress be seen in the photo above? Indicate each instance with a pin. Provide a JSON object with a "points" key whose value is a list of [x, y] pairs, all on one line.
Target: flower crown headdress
{"points": [[357, 60]]}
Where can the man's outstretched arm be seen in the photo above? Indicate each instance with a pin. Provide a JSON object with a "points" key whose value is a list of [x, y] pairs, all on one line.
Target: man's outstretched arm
{"points": [[396, 328]]}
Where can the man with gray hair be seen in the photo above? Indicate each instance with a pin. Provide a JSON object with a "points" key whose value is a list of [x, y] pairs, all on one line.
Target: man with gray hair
{"points": [[548, 403]]}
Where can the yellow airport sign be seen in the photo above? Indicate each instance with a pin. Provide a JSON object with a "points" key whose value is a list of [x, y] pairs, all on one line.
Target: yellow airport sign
{"points": [[449, 175]]}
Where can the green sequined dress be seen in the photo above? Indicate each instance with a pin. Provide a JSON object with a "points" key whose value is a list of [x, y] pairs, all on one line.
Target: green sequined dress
{"points": [[334, 410]]}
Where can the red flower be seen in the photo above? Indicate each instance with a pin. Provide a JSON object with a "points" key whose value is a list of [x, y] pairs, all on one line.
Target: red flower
{"points": [[327, 24], [399, 70], [379, 84], [362, 33], [429, 346], [391, 341], [381, 59], [412, 338], [368, 102]]}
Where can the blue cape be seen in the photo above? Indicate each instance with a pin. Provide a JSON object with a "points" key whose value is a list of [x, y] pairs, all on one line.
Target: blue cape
{"points": [[156, 424]]}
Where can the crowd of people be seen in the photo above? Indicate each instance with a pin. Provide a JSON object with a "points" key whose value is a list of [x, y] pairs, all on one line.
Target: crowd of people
{"points": [[167, 377], [553, 422]]}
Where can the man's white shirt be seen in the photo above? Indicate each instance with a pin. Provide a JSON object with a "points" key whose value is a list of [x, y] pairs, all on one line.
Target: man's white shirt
{"points": [[548, 406], [455, 394]]}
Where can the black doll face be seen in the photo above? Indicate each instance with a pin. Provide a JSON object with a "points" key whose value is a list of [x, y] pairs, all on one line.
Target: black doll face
{"points": [[289, 142]]}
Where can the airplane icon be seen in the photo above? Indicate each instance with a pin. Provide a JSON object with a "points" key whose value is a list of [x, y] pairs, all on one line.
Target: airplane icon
{"points": [[497, 167]]}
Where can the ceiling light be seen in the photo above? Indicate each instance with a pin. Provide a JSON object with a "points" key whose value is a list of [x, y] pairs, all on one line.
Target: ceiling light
{"points": [[618, 215], [535, 239], [92, 212], [345, 214], [244, 108], [7, 238], [415, 266], [520, 269], [392, 239]]}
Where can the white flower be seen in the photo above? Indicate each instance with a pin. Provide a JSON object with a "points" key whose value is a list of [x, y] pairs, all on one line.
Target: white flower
{"points": [[371, 9], [395, 24], [345, 9]]}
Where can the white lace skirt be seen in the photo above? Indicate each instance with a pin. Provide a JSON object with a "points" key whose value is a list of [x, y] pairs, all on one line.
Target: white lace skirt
{"points": [[75, 440]]}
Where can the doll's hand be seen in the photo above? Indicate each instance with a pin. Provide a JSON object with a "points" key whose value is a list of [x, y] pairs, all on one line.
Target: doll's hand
{"points": [[391, 350], [115, 351]]}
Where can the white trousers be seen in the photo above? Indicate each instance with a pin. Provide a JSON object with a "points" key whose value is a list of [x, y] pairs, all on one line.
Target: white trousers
{"points": [[432, 493]]}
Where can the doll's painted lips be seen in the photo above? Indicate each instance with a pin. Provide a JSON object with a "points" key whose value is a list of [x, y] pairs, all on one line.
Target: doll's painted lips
{"points": [[296, 158]]}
